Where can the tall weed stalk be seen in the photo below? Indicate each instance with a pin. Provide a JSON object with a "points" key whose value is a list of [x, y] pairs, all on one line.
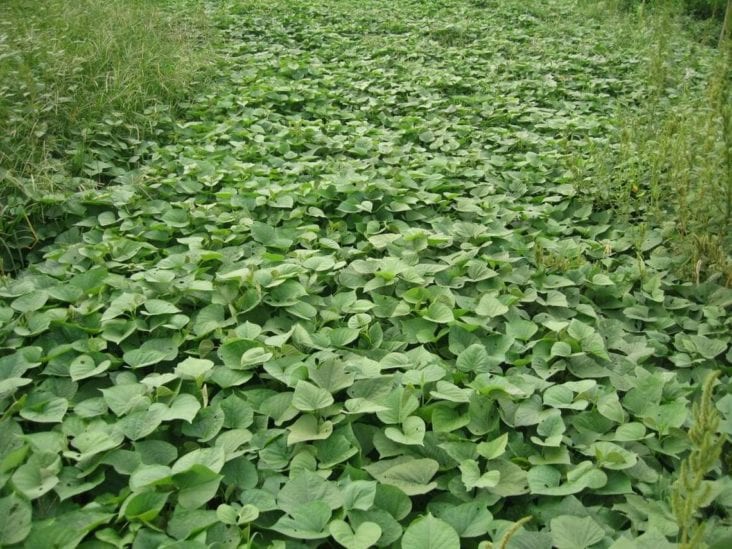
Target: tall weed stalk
{"points": [[691, 491]]}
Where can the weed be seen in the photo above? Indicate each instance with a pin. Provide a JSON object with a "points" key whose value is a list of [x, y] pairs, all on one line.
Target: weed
{"points": [[84, 85], [670, 158], [691, 492]]}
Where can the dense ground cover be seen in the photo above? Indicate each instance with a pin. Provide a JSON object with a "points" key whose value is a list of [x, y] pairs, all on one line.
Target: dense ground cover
{"points": [[360, 295]]}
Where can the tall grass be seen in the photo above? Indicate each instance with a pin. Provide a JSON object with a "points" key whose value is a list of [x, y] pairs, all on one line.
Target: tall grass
{"points": [[671, 159], [83, 87], [702, 9]]}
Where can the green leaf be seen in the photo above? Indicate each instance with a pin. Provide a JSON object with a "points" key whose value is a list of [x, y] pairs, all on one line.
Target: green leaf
{"points": [[699, 344], [184, 523], [10, 385], [546, 480], [470, 520], [590, 340], [84, 367], [353, 272], [196, 485], [579, 330], [309, 398], [555, 281], [520, 329], [66, 529], [560, 349], [152, 352], [141, 423], [251, 357], [308, 486], [366, 535], [209, 319], [393, 500], [156, 451], [144, 506], [497, 346], [286, 294], [446, 419], [340, 337], [237, 515], [144, 476], [308, 521], [90, 443], [412, 431], [193, 368], [473, 478], [722, 543], [160, 307], [332, 377], [307, 427], [494, 448], [629, 432], [16, 523], [473, 359], [490, 307], [118, 330], [231, 352], [248, 513], [611, 456], [439, 313], [422, 376], [30, 302], [359, 494], [122, 304], [123, 398], [401, 404], [609, 406], [570, 532], [90, 280], [206, 425], [451, 392], [391, 531], [34, 479], [210, 458], [44, 408], [412, 476], [429, 532]]}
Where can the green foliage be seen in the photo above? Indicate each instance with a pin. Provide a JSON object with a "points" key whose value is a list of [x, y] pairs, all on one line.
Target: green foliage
{"points": [[85, 85], [706, 8], [698, 8], [355, 298]]}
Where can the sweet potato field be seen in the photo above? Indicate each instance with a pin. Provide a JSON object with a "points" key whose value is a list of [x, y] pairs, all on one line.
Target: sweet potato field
{"points": [[385, 279]]}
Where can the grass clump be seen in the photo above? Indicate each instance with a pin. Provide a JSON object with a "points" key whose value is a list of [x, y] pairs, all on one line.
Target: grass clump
{"points": [[83, 87]]}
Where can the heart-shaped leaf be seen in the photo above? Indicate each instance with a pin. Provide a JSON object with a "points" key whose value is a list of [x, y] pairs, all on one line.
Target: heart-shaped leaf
{"points": [[429, 532], [366, 535], [309, 398], [412, 431]]}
